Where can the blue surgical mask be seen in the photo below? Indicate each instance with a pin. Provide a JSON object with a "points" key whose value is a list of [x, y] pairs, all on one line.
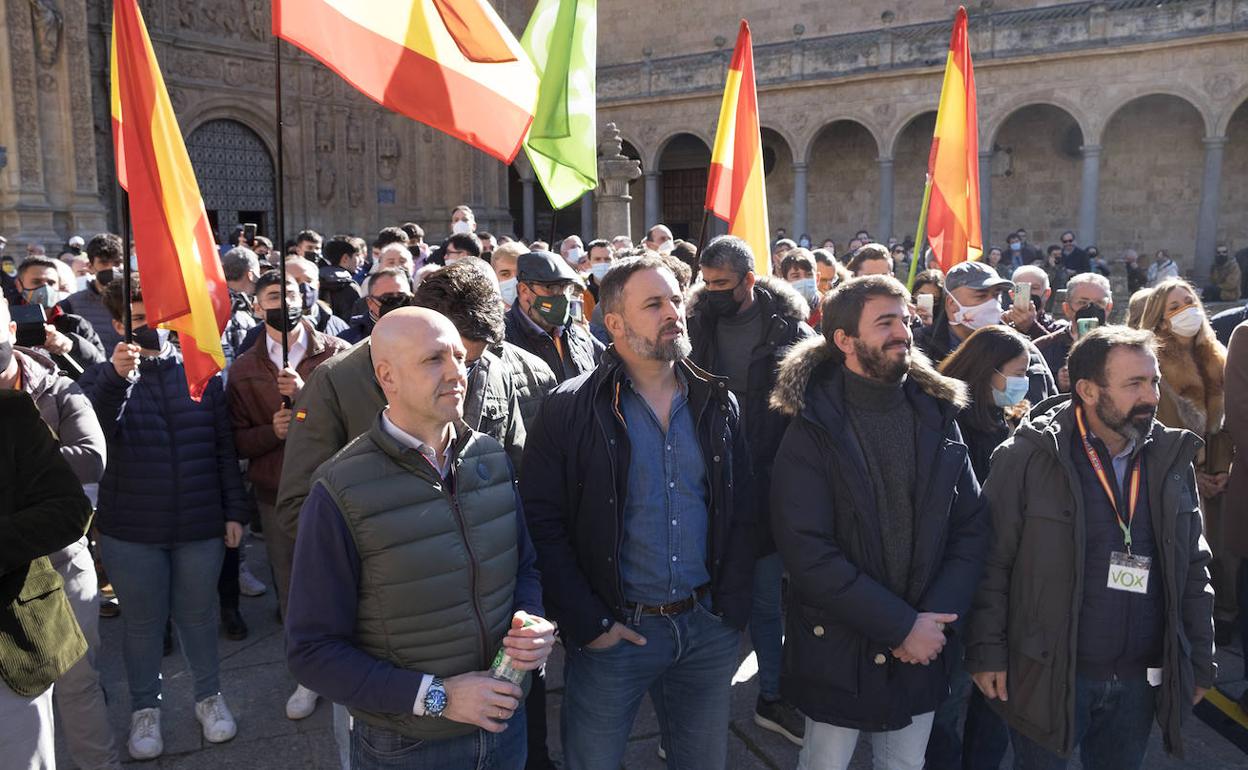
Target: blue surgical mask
{"points": [[599, 269], [508, 289], [807, 287], [1015, 391]]}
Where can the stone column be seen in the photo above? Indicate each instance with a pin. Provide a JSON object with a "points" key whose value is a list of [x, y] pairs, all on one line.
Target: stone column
{"points": [[985, 201], [612, 204], [1210, 200], [654, 202], [530, 210], [885, 228], [799, 202], [587, 217], [1089, 193]]}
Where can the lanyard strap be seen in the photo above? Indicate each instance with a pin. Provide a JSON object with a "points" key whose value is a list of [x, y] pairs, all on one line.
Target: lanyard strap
{"points": [[1133, 496]]}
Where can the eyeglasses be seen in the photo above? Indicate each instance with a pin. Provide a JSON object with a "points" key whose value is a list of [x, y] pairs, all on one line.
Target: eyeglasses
{"points": [[1068, 240]]}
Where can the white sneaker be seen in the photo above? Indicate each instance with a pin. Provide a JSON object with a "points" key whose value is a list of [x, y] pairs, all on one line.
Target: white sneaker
{"points": [[662, 753], [145, 741], [301, 703], [249, 584], [215, 717]]}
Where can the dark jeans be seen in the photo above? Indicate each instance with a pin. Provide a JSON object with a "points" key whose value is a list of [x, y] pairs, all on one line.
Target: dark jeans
{"points": [[535, 715], [375, 748], [1242, 594], [1112, 723], [984, 738], [691, 657], [227, 581]]}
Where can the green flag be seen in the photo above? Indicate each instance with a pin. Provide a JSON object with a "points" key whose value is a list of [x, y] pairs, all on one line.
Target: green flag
{"points": [[562, 40]]}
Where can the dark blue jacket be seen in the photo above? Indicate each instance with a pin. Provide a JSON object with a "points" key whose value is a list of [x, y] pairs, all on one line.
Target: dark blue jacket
{"points": [[843, 621], [172, 473]]}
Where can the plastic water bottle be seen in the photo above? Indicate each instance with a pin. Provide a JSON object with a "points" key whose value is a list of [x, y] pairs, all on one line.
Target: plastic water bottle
{"points": [[504, 667]]}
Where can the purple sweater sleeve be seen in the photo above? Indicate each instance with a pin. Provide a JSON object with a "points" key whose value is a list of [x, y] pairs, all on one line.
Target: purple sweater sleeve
{"points": [[320, 619]]}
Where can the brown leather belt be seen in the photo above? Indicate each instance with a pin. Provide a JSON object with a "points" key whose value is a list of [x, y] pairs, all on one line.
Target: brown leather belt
{"points": [[671, 608]]}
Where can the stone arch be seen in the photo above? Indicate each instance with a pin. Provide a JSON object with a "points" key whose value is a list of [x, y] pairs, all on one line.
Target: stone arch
{"points": [[1005, 112], [217, 107], [804, 151], [661, 146], [1096, 129], [1233, 194], [888, 148], [909, 150], [843, 192], [778, 162], [1153, 205], [236, 174], [1035, 169], [683, 160], [1233, 105]]}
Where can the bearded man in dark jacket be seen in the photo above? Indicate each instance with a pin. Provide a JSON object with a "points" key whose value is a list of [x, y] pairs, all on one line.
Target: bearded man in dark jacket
{"points": [[879, 521], [740, 325]]}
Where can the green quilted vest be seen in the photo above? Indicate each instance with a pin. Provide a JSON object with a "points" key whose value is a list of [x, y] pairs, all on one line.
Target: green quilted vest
{"points": [[437, 569]]}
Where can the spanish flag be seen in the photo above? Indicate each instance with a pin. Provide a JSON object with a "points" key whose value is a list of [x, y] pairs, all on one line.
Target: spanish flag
{"points": [[450, 64], [183, 286], [953, 167], [735, 191]]}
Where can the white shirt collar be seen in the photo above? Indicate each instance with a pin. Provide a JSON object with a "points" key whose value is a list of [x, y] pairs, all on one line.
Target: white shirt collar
{"points": [[298, 339], [408, 440]]}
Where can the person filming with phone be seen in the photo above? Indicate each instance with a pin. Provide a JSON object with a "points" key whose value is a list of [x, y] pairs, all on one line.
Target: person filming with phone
{"points": [[1089, 300]]}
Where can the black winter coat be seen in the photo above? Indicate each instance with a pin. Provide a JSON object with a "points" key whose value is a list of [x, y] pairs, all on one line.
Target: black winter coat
{"points": [[575, 504], [784, 313], [172, 474], [842, 622], [934, 341]]}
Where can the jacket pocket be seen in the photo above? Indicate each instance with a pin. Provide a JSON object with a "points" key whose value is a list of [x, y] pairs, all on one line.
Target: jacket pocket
{"points": [[1031, 682], [819, 650], [39, 601]]}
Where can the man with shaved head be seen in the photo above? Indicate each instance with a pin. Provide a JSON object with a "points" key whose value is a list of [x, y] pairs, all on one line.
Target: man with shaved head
{"points": [[413, 570]]}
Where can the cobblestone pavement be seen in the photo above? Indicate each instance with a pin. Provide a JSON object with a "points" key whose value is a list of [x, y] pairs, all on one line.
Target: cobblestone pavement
{"points": [[256, 685]]}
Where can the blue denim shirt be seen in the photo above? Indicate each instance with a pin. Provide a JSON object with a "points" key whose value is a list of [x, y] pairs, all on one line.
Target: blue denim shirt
{"points": [[663, 553]]}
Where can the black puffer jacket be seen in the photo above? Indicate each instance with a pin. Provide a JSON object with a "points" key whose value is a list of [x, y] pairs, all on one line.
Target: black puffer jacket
{"points": [[843, 622], [172, 474], [575, 504], [784, 313], [530, 376], [583, 350]]}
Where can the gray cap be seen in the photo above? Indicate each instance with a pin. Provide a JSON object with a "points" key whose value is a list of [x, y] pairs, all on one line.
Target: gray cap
{"points": [[237, 261], [545, 267], [976, 275]]}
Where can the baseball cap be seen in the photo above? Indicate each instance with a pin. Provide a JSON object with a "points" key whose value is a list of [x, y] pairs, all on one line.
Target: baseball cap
{"points": [[545, 267], [976, 275], [77, 241]]}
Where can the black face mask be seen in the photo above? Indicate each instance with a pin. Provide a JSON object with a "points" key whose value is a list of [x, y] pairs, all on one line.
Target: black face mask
{"points": [[287, 321], [1221, 258], [1091, 311], [147, 338], [308, 295], [6, 354], [394, 301], [105, 277], [721, 304]]}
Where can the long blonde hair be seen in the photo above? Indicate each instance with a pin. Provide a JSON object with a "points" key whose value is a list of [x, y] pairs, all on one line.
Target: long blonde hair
{"points": [[1154, 319]]}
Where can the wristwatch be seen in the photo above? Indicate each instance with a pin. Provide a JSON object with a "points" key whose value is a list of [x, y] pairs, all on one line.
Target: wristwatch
{"points": [[435, 698]]}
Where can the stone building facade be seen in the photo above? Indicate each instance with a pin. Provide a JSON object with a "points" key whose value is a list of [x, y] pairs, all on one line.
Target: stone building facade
{"points": [[1120, 119]]}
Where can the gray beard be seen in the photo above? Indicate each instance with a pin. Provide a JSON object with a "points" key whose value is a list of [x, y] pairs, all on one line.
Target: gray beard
{"points": [[673, 350]]}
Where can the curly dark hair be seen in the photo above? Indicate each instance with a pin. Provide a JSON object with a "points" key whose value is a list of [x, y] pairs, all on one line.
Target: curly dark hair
{"points": [[465, 294], [105, 247]]}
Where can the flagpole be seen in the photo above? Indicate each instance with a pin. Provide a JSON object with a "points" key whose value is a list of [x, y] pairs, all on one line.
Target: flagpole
{"points": [[706, 220], [280, 215], [920, 234], [125, 266]]}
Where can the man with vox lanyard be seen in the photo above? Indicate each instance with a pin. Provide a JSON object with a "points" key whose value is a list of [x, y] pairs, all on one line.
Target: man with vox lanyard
{"points": [[1095, 614]]}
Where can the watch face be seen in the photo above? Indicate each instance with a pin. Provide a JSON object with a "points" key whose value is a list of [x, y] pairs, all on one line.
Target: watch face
{"points": [[435, 700]]}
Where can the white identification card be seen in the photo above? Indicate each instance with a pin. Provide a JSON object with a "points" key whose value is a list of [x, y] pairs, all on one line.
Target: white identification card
{"points": [[1128, 573]]}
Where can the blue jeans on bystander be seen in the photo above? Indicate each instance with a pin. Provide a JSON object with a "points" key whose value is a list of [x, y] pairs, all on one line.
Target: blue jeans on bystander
{"points": [[376, 748], [1112, 723]]}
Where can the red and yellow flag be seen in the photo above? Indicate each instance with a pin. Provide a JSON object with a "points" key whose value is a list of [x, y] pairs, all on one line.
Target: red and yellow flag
{"points": [[183, 286], [953, 167], [735, 191], [450, 64]]}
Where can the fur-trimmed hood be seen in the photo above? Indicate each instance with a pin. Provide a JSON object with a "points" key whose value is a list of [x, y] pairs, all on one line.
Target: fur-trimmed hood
{"points": [[785, 301], [1192, 395], [797, 368]]}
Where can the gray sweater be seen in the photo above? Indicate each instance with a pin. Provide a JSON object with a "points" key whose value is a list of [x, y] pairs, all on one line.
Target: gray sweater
{"points": [[885, 425]]}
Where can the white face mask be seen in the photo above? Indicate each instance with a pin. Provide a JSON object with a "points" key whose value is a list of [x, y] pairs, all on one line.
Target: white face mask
{"points": [[450, 260], [573, 257], [84, 281], [599, 270], [666, 247], [977, 316], [508, 289], [461, 226], [1187, 322]]}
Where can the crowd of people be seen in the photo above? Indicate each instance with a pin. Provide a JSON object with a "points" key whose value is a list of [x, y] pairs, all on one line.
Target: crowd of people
{"points": [[974, 515]]}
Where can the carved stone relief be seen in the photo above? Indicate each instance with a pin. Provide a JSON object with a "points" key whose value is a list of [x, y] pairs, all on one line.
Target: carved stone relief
{"points": [[48, 24]]}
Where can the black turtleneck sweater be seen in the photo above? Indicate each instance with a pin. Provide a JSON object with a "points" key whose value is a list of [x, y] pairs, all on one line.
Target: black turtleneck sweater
{"points": [[885, 424]]}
